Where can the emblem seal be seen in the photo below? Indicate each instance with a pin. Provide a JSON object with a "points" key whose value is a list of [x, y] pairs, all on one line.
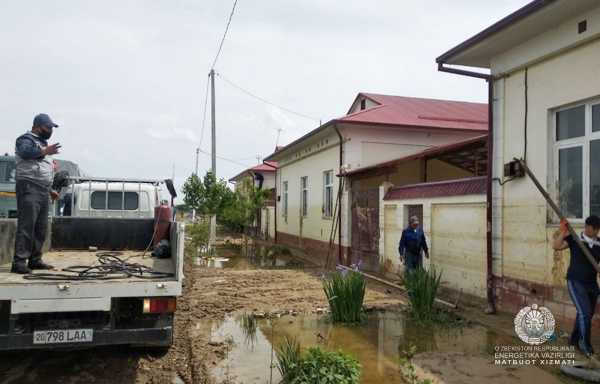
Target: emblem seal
{"points": [[534, 325]]}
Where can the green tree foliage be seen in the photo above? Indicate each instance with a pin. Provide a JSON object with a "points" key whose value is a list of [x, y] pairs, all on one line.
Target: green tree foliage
{"points": [[183, 208], [245, 206], [207, 196]]}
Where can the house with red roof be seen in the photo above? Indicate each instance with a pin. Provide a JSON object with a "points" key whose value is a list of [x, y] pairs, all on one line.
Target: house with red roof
{"points": [[320, 210]]}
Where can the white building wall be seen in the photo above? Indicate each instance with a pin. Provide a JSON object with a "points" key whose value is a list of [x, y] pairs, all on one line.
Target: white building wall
{"points": [[527, 228], [312, 165], [455, 231], [373, 145]]}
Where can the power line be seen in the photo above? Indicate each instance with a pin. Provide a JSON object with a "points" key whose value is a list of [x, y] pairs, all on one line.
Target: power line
{"points": [[204, 117], [225, 34], [267, 102], [224, 159]]}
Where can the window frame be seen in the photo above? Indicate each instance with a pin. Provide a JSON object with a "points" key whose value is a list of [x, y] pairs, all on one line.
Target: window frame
{"points": [[304, 196], [123, 207], [328, 213], [584, 142]]}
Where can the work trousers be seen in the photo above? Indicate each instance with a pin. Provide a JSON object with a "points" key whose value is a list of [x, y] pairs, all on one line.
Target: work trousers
{"points": [[412, 261], [584, 296], [32, 226]]}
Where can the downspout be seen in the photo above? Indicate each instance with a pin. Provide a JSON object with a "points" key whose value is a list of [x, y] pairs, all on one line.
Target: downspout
{"points": [[340, 194], [252, 176], [275, 223], [490, 143]]}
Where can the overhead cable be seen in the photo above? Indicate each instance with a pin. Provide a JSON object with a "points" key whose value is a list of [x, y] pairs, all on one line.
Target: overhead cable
{"points": [[267, 102], [231, 161], [204, 115], [225, 34]]}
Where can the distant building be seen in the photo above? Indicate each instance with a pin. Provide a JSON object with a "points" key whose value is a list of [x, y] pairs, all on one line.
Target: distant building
{"points": [[377, 128]]}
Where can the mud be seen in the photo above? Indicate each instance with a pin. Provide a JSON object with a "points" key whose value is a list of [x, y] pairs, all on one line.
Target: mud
{"points": [[211, 296]]}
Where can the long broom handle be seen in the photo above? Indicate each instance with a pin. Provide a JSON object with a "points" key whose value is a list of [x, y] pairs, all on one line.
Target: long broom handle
{"points": [[560, 214]]}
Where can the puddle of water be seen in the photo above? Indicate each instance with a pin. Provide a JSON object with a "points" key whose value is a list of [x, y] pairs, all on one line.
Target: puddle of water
{"points": [[376, 344], [237, 256], [242, 262]]}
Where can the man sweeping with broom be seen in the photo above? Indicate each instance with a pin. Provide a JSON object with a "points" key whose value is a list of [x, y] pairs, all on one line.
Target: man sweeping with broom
{"points": [[581, 279]]}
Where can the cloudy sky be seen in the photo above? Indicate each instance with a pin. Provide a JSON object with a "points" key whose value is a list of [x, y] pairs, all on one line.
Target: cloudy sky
{"points": [[126, 80]]}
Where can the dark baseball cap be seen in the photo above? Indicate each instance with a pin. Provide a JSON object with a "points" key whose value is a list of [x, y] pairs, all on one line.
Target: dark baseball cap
{"points": [[42, 118]]}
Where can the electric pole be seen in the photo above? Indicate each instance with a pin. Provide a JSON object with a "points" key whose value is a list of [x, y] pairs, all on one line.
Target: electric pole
{"points": [[258, 159], [213, 219]]}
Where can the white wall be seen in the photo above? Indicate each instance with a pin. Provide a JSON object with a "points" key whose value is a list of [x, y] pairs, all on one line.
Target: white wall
{"points": [[370, 145], [455, 232], [523, 226]]}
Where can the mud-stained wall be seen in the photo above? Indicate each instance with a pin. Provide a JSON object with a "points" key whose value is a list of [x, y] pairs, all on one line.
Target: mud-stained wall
{"points": [[455, 231], [525, 227], [563, 74]]}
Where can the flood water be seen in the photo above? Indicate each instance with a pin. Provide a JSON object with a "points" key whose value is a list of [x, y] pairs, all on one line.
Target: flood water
{"points": [[238, 256], [376, 344]]}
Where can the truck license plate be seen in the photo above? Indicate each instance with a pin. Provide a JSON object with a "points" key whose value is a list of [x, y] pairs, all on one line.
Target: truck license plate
{"points": [[63, 336]]}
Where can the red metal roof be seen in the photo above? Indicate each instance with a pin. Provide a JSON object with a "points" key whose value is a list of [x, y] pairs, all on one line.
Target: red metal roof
{"points": [[416, 112], [419, 155], [265, 167], [260, 167], [471, 186]]}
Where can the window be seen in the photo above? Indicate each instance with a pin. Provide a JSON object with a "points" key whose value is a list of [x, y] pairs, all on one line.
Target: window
{"points": [[328, 194], [363, 104], [304, 196], [115, 200], [577, 159], [8, 170], [285, 198]]}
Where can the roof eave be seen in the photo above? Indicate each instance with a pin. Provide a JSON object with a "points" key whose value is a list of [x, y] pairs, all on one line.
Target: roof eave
{"points": [[389, 125], [275, 156], [509, 20]]}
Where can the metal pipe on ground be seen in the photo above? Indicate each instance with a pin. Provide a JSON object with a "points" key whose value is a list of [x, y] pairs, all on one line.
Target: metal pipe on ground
{"points": [[404, 290]]}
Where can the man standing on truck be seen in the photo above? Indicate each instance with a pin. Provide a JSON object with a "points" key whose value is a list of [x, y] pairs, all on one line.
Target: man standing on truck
{"points": [[411, 243], [35, 173]]}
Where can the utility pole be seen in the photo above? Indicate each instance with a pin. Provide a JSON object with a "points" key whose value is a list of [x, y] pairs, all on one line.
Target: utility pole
{"points": [[213, 219], [258, 159]]}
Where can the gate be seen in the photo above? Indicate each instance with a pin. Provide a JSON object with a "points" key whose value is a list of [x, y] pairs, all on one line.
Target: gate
{"points": [[365, 229]]}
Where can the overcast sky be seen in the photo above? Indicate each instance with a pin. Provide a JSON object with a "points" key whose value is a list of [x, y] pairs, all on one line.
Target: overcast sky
{"points": [[126, 79]]}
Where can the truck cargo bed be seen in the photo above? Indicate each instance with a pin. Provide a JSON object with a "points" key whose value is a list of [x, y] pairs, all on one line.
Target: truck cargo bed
{"points": [[70, 258]]}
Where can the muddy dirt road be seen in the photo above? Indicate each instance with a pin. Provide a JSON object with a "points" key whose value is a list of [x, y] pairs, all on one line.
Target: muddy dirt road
{"points": [[208, 294]]}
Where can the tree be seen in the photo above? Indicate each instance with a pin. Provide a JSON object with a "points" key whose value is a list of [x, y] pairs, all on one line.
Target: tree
{"points": [[183, 208], [244, 208], [207, 196]]}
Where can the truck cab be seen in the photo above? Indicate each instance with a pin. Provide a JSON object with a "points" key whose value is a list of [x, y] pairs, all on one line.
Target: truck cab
{"points": [[111, 198], [8, 197]]}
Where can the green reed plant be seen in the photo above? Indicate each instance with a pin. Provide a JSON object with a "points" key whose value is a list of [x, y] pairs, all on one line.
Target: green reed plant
{"points": [[345, 290], [249, 327], [288, 356], [422, 286]]}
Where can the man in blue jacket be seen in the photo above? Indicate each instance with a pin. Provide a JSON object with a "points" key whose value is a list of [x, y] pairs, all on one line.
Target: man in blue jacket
{"points": [[35, 174], [411, 243]]}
